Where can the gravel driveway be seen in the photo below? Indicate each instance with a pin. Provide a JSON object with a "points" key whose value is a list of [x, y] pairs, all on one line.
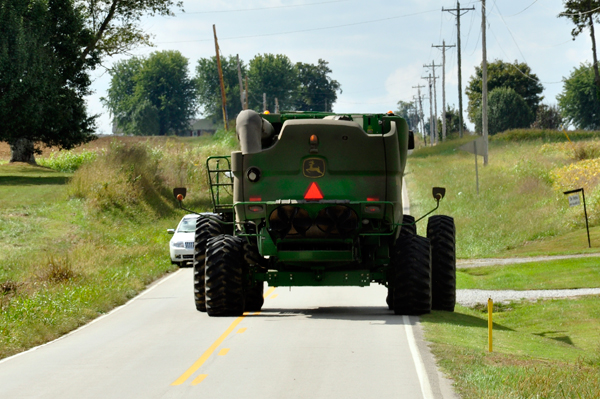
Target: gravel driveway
{"points": [[471, 298]]}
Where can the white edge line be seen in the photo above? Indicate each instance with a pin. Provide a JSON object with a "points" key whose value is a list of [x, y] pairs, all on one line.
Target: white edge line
{"points": [[95, 320], [419, 365]]}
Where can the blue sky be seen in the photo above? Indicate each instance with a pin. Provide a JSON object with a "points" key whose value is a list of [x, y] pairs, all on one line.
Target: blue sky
{"points": [[376, 49]]}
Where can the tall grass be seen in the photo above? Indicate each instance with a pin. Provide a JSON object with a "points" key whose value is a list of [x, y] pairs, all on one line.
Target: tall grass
{"points": [[521, 192], [140, 177], [67, 161], [99, 241]]}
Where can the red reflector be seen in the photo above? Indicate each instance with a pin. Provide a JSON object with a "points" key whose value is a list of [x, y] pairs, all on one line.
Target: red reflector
{"points": [[255, 199], [255, 208], [372, 198], [313, 192], [372, 209]]}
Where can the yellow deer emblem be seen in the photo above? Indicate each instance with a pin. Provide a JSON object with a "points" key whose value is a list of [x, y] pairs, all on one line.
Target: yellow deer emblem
{"points": [[314, 167]]}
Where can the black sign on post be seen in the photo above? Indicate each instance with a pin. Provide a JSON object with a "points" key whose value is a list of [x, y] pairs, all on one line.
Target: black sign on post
{"points": [[574, 201]]}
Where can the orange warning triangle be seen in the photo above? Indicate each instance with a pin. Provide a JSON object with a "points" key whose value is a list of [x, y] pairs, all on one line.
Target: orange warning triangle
{"points": [[313, 192]]}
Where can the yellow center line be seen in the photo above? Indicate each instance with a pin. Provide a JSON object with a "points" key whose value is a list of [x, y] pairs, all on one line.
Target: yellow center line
{"points": [[184, 377], [269, 292], [274, 296], [223, 351], [242, 330], [208, 352], [199, 379]]}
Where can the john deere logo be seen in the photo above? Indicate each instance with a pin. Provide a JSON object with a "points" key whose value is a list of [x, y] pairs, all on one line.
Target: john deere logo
{"points": [[313, 168]]}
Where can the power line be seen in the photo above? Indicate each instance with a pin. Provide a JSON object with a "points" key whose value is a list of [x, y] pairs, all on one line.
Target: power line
{"points": [[263, 8], [305, 30], [523, 10]]}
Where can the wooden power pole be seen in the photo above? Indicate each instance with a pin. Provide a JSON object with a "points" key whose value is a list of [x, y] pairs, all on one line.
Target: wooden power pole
{"points": [[433, 66], [431, 124], [420, 111], [239, 69], [458, 11], [484, 82], [221, 79], [444, 46]]}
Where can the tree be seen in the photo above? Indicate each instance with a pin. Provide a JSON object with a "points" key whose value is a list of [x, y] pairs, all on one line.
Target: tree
{"points": [[209, 89], [115, 24], [578, 102], [152, 96], [274, 75], [316, 91], [582, 13], [43, 79], [547, 117], [408, 111], [517, 76], [506, 110], [452, 121]]}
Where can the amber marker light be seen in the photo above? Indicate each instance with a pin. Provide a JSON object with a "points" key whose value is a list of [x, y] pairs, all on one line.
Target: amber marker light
{"points": [[314, 140], [179, 197]]}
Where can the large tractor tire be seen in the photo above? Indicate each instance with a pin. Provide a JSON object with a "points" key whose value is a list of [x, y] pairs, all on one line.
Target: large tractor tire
{"points": [[253, 295], [205, 229], [223, 276], [408, 228], [442, 235], [412, 281]]}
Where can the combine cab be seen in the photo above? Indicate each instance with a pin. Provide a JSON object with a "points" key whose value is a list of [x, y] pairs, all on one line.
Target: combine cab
{"points": [[314, 199]]}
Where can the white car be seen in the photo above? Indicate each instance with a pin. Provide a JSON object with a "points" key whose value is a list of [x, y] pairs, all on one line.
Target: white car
{"points": [[181, 245]]}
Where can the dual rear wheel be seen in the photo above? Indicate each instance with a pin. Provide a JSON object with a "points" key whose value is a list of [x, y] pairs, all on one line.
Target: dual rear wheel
{"points": [[220, 288], [423, 270]]}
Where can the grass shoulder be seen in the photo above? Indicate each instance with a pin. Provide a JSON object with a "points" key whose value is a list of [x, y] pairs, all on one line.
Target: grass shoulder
{"points": [[74, 245]]}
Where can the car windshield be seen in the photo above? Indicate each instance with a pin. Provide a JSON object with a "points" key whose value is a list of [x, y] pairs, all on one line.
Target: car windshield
{"points": [[187, 226]]}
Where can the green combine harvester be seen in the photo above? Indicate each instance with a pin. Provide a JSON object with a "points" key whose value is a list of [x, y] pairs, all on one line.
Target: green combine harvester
{"points": [[315, 199]]}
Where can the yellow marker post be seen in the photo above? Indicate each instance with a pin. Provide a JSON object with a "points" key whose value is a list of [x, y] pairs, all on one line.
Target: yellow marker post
{"points": [[490, 323]]}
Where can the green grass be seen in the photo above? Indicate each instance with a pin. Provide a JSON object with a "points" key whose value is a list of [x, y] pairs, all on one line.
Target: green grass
{"points": [[555, 274], [75, 245], [519, 202], [548, 349]]}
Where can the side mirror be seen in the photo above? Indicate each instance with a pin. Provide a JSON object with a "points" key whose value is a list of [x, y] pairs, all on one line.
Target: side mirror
{"points": [[179, 191], [411, 140], [438, 193], [171, 231]]}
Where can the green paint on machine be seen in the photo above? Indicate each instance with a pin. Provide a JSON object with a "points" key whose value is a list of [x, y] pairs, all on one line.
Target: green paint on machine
{"points": [[314, 199]]}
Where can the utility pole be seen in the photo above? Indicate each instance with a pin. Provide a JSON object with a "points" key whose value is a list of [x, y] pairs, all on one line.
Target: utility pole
{"points": [[433, 66], [224, 103], [430, 110], [444, 46], [418, 87], [458, 14], [276, 105], [239, 68], [246, 85], [484, 93], [264, 102]]}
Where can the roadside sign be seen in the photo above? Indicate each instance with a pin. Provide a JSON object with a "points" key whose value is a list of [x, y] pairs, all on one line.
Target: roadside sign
{"points": [[573, 196], [476, 147], [574, 200]]}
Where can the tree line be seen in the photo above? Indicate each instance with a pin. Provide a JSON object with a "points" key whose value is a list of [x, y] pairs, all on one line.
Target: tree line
{"points": [[515, 101], [156, 95]]}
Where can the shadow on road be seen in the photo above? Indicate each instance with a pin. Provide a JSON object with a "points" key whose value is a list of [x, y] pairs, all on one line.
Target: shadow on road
{"points": [[374, 314]]}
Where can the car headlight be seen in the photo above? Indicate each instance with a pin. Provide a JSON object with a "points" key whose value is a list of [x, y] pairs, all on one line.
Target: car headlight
{"points": [[178, 244]]}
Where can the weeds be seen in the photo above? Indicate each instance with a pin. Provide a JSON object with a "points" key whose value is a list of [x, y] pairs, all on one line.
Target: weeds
{"points": [[56, 271], [67, 161]]}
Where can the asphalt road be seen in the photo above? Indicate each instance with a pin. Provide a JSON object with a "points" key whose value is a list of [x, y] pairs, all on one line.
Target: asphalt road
{"points": [[305, 343]]}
